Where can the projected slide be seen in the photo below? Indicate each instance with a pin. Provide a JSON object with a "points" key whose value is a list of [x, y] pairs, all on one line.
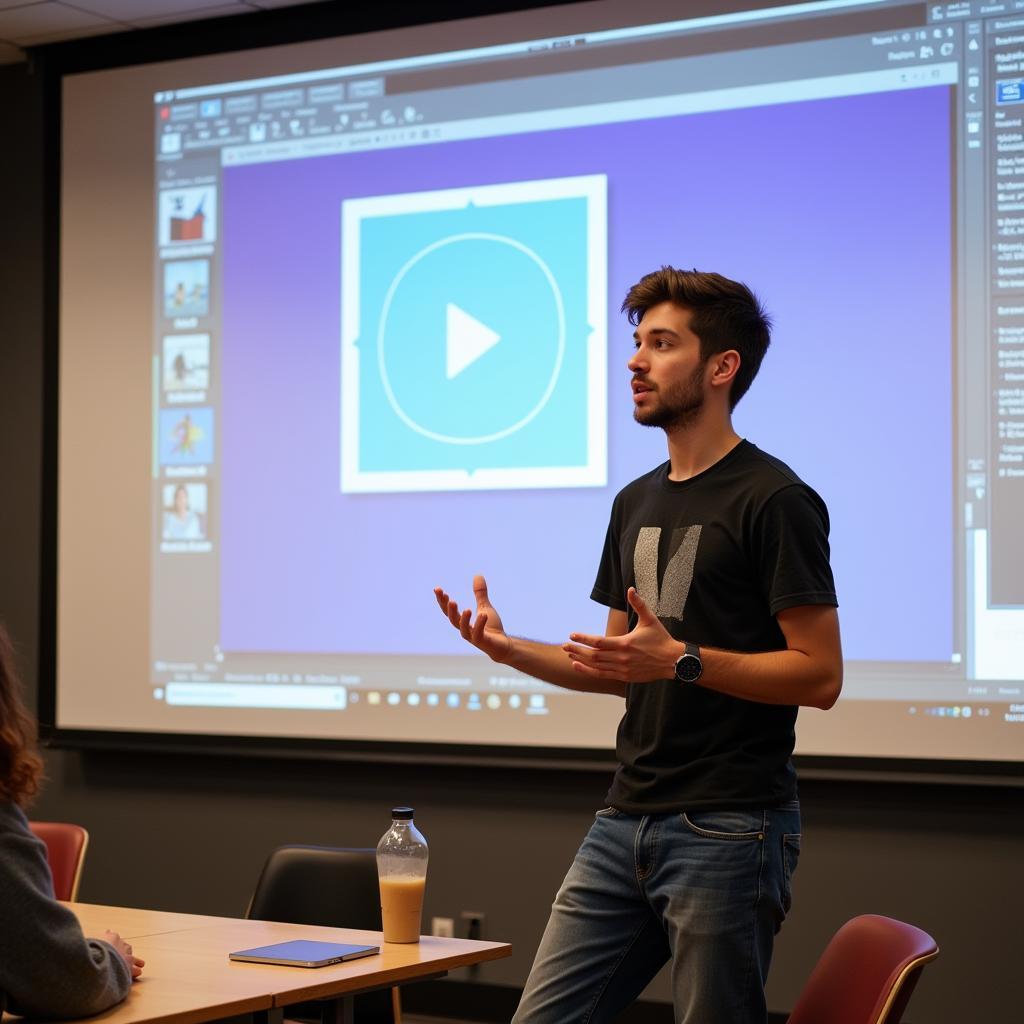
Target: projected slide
{"points": [[386, 353], [449, 385], [287, 387]]}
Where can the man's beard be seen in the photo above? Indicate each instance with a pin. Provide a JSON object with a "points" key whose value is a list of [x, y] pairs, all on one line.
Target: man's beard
{"points": [[678, 405]]}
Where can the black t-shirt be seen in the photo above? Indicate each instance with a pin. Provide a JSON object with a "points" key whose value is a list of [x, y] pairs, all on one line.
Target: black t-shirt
{"points": [[717, 557]]}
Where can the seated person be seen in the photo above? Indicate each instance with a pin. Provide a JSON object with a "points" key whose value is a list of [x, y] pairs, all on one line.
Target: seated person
{"points": [[48, 968]]}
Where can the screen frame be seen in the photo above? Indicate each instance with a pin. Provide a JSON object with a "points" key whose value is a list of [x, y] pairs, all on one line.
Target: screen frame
{"points": [[272, 28]]}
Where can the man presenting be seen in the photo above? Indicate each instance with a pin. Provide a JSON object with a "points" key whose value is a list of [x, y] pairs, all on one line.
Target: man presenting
{"points": [[722, 622]]}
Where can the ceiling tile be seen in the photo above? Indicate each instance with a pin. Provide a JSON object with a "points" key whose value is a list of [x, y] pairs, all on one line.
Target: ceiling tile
{"points": [[221, 10], [50, 20], [45, 38], [17, 3], [144, 10], [268, 4]]}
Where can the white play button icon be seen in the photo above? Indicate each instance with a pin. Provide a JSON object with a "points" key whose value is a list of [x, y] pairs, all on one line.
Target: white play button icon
{"points": [[467, 339]]}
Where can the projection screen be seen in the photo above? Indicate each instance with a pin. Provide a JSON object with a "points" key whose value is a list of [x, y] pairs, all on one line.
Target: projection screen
{"points": [[339, 323]]}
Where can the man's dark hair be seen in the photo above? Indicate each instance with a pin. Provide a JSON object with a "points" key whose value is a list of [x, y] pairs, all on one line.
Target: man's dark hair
{"points": [[725, 314]]}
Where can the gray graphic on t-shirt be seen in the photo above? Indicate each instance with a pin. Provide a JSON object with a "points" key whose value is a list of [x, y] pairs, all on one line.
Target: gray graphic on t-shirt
{"points": [[669, 601]]}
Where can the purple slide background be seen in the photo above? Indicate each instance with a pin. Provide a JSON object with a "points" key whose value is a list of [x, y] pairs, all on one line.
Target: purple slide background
{"points": [[836, 211]]}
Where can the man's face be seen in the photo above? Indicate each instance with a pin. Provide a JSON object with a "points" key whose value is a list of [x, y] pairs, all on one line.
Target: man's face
{"points": [[668, 372]]}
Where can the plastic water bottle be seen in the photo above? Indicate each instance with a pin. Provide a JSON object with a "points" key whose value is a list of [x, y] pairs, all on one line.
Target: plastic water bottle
{"points": [[402, 872]]}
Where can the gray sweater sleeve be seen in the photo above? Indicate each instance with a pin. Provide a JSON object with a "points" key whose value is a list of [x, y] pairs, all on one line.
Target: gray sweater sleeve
{"points": [[48, 968]]}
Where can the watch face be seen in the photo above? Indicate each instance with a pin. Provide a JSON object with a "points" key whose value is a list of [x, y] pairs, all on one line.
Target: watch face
{"points": [[689, 668]]}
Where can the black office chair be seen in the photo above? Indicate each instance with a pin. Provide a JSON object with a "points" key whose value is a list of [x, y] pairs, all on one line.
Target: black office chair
{"points": [[331, 886]]}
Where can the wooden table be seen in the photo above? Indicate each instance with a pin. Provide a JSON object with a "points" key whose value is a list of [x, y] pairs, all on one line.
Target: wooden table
{"points": [[188, 978]]}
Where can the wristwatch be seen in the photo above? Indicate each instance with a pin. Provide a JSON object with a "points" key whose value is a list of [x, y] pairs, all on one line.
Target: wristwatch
{"points": [[688, 665]]}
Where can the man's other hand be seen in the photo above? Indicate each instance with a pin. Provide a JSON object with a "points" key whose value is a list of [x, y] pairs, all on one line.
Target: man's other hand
{"points": [[643, 655], [485, 632]]}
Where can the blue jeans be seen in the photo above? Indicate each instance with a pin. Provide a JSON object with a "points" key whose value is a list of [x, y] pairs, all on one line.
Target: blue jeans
{"points": [[706, 889]]}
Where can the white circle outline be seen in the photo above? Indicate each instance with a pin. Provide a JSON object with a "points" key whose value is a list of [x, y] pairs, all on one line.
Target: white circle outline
{"points": [[385, 309]]}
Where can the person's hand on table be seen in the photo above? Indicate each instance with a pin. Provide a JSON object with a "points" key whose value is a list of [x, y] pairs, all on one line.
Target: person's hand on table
{"points": [[133, 963]]}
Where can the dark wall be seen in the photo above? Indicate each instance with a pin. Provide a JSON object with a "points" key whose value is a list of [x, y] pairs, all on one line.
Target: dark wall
{"points": [[190, 833]]}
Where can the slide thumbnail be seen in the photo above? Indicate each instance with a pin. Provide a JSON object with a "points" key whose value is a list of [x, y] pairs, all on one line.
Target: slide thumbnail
{"points": [[186, 288], [186, 437], [186, 361], [184, 507], [188, 215]]}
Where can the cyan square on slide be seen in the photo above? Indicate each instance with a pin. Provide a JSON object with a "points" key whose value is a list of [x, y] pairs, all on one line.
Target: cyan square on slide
{"points": [[474, 338]]}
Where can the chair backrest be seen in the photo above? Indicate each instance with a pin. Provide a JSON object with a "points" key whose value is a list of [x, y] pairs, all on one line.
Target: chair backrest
{"points": [[65, 850], [322, 885], [331, 886], [866, 974]]}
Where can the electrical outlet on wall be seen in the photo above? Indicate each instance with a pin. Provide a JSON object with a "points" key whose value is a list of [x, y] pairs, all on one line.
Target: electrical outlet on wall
{"points": [[442, 927], [472, 924]]}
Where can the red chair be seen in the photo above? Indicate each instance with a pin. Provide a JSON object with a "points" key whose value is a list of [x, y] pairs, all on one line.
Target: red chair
{"points": [[65, 851], [866, 974]]}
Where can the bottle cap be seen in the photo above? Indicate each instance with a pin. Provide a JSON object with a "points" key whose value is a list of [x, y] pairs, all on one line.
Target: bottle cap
{"points": [[401, 813]]}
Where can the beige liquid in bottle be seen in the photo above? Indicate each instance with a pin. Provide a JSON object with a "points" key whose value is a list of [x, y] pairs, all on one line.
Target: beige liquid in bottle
{"points": [[401, 908]]}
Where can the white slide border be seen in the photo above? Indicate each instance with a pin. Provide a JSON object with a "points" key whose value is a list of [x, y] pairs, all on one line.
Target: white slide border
{"points": [[354, 480]]}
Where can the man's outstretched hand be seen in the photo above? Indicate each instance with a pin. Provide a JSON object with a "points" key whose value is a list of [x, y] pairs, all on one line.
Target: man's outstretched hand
{"points": [[486, 632], [643, 655]]}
